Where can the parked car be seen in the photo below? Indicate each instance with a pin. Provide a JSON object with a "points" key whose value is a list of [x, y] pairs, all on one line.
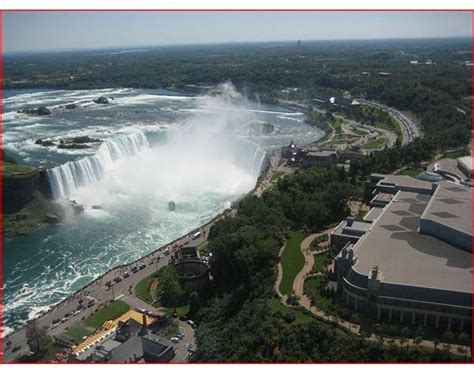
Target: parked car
{"points": [[134, 269], [125, 275], [180, 335], [174, 340], [142, 266], [117, 279], [191, 323]]}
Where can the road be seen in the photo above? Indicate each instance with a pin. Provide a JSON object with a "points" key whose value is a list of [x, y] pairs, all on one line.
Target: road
{"points": [[410, 130], [99, 293]]}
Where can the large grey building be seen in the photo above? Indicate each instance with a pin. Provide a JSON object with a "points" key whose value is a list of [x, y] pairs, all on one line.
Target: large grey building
{"points": [[413, 264]]}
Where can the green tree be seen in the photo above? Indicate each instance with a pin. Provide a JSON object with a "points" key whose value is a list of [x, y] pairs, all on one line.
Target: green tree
{"points": [[169, 290], [194, 303], [35, 338]]}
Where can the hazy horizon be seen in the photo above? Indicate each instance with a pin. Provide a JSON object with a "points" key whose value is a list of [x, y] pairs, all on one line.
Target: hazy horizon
{"points": [[64, 31]]}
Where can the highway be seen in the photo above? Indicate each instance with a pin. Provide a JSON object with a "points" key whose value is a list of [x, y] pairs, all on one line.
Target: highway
{"points": [[410, 130]]}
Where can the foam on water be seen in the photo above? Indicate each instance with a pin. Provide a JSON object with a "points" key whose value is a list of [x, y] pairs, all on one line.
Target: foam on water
{"points": [[203, 159]]}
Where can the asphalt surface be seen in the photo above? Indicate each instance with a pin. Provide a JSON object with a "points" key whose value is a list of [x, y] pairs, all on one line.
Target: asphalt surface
{"points": [[410, 130], [99, 293]]}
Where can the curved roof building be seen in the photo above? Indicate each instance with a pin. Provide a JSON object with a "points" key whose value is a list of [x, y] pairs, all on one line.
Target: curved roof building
{"points": [[414, 263]]}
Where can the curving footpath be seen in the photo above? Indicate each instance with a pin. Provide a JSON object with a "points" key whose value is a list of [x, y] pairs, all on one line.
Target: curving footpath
{"points": [[305, 302]]}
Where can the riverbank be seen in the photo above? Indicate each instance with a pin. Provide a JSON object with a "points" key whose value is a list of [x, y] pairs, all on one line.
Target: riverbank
{"points": [[98, 293]]}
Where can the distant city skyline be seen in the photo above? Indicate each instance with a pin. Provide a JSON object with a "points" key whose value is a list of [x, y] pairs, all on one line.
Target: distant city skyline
{"points": [[41, 31]]}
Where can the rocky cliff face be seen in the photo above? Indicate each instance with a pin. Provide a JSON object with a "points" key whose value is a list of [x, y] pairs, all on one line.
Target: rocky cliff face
{"points": [[25, 206], [18, 189]]}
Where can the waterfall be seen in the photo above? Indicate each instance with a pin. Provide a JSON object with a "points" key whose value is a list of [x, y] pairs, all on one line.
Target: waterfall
{"points": [[67, 178], [250, 156]]}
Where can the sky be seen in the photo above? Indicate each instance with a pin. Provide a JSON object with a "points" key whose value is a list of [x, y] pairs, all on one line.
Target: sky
{"points": [[35, 31]]}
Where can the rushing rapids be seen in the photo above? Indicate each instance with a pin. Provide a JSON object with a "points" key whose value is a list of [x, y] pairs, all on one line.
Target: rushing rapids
{"points": [[201, 153]]}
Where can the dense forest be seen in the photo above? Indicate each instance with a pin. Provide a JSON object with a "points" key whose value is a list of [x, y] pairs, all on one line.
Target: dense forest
{"points": [[239, 323]]}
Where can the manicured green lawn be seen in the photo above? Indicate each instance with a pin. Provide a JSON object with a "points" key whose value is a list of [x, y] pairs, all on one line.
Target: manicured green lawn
{"points": [[375, 144], [300, 317], [77, 333], [318, 265], [412, 171], [292, 261], [109, 312], [142, 289], [393, 126]]}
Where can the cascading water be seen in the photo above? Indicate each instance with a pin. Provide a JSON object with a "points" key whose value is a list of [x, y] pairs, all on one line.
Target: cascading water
{"points": [[249, 155], [67, 178], [197, 152]]}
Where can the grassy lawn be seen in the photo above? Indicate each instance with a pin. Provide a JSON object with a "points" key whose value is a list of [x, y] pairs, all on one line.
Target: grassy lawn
{"points": [[300, 317], [375, 144], [202, 247], [312, 287], [411, 171], [142, 289], [318, 265], [359, 131], [109, 312], [77, 333], [292, 261], [393, 126]]}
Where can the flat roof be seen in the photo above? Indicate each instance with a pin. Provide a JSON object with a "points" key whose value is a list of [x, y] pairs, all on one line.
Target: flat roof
{"points": [[373, 214], [321, 153], [449, 165], [406, 181], [406, 257], [466, 161], [450, 205], [384, 197]]}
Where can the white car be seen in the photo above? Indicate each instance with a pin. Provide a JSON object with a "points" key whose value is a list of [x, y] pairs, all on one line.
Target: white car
{"points": [[175, 340]]}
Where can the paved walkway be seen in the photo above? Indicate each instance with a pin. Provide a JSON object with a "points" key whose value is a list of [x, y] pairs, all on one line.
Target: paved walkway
{"points": [[305, 302]]}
